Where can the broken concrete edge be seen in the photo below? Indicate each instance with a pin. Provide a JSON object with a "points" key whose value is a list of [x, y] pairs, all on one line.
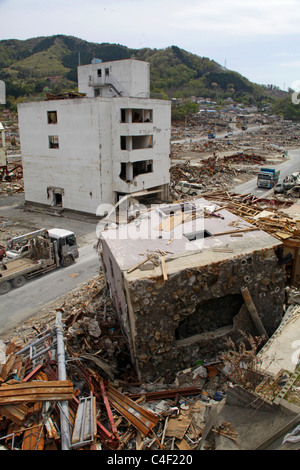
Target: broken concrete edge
{"points": [[237, 397]]}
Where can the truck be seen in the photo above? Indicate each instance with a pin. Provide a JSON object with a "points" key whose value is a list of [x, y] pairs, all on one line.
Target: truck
{"points": [[36, 253], [267, 177]]}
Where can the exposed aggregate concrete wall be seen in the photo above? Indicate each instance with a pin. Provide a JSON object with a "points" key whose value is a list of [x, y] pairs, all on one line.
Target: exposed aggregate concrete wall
{"points": [[190, 316]]}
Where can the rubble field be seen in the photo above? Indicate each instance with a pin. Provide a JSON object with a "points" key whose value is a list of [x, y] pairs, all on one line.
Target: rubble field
{"points": [[123, 413], [91, 398], [224, 163]]}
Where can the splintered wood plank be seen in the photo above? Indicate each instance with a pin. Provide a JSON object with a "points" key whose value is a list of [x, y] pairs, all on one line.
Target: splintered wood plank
{"points": [[183, 445], [164, 270], [16, 413], [283, 235]]}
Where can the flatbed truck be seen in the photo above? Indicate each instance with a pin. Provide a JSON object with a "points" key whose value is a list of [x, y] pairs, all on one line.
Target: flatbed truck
{"points": [[36, 253]]}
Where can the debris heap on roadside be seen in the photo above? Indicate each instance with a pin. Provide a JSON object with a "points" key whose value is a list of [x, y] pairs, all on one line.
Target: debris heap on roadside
{"points": [[68, 383]]}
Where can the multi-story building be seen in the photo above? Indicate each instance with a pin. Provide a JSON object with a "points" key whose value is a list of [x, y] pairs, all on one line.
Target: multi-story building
{"points": [[87, 149]]}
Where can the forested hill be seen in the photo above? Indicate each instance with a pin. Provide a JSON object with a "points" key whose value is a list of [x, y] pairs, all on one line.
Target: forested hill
{"points": [[33, 66]]}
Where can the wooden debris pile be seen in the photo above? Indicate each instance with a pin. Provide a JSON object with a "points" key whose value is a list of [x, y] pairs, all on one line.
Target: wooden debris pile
{"points": [[212, 172], [100, 384], [101, 401], [11, 178], [102, 412], [243, 158], [266, 214]]}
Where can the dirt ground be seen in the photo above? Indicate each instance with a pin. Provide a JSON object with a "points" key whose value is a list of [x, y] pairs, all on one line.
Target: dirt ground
{"points": [[16, 218]]}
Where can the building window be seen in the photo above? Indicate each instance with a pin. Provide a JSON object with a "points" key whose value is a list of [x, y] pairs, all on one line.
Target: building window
{"points": [[142, 115], [123, 115], [136, 115], [123, 142], [136, 142], [99, 72], [142, 142], [52, 117], [107, 72], [142, 167], [131, 170], [53, 142]]}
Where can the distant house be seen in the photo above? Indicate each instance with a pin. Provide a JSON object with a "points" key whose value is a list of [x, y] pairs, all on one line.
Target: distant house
{"points": [[93, 147]]}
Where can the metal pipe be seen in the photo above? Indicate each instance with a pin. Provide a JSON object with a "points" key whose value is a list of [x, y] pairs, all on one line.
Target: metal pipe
{"points": [[64, 412]]}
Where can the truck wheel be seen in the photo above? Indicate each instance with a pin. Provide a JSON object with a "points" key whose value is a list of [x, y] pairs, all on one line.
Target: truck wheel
{"points": [[5, 287], [67, 261], [19, 281]]}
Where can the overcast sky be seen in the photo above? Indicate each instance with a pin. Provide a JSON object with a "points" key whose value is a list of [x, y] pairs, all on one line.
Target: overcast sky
{"points": [[257, 38]]}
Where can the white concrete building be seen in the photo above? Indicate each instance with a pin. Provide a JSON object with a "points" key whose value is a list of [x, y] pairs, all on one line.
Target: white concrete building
{"points": [[83, 152]]}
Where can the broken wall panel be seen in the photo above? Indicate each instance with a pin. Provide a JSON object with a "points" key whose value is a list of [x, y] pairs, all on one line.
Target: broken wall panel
{"points": [[190, 317]]}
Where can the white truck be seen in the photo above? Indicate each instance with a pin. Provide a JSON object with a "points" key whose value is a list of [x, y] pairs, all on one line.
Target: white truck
{"points": [[35, 253]]}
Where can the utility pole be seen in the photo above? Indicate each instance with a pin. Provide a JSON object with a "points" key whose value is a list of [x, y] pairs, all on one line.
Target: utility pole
{"points": [[64, 406]]}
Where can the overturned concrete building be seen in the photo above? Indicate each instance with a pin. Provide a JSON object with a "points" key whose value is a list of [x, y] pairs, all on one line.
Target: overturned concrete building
{"points": [[177, 275]]}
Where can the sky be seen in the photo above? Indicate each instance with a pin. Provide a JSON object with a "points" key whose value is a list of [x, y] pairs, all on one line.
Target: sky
{"points": [[257, 38]]}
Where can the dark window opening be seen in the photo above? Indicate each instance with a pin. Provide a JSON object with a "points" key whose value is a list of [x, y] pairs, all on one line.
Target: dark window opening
{"points": [[197, 235], [142, 115], [99, 72], [97, 92], [123, 115], [123, 142], [142, 142], [211, 315], [53, 142], [122, 174], [57, 199], [142, 167], [183, 207], [52, 117], [136, 115], [107, 72], [136, 142], [130, 170]]}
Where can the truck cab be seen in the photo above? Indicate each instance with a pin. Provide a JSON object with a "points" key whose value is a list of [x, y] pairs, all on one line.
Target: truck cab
{"points": [[67, 247], [267, 177]]}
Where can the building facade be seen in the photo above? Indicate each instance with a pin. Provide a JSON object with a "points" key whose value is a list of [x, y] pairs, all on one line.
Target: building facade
{"points": [[79, 153]]}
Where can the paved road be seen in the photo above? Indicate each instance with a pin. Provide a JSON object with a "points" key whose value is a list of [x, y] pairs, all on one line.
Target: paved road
{"points": [[20, 304], [290, 166]]}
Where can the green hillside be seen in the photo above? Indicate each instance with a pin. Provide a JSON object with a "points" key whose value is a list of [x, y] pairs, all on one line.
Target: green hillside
{"points": [[33, 66]]}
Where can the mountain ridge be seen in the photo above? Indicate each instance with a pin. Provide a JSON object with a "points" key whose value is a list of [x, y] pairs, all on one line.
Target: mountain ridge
{"points": [[31, 66]]}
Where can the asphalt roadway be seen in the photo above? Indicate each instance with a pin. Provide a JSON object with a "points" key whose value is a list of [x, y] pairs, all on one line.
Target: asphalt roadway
{"points": [[20, 304]]}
